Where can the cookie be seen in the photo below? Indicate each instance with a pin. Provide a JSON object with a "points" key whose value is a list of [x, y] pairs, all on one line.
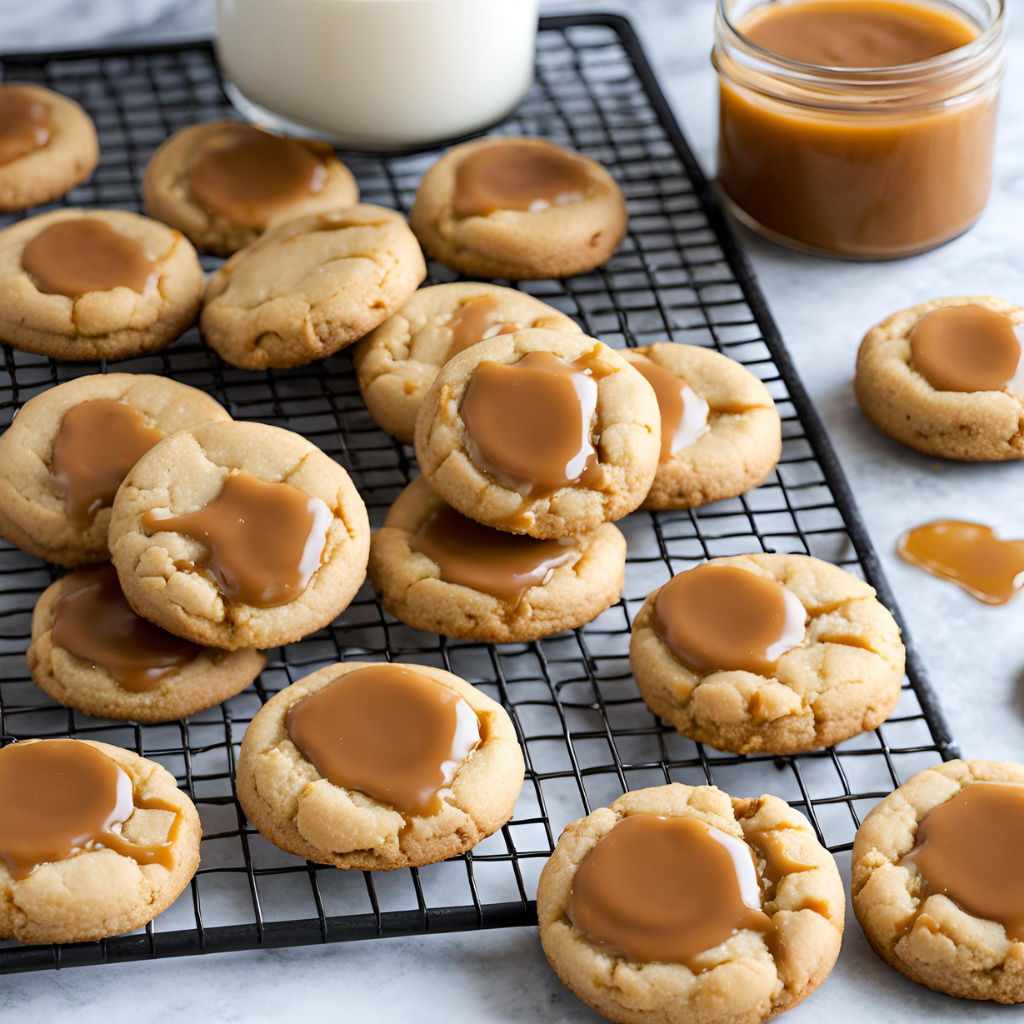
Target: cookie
{"points": [[96, 284], [90, 651], [94, 840], [311, 287], [769, 653], [377, 766], [937, 885], [518, 208], [438, 571], [947, 378], [225, 182], [397, 362], [68, 449], [683, 905], [720, 431], [239, 535], [47, 146], [540, 432]]}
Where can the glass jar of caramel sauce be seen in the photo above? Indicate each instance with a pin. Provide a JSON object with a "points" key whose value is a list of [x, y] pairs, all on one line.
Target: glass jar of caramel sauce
{"points": [[858, 128]]}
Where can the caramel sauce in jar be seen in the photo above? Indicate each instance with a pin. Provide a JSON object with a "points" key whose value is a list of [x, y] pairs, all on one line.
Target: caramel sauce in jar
{"points": [[858, 128]]}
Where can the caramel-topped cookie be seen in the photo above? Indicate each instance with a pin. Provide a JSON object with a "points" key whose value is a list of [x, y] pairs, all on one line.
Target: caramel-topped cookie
{"points": [[239, 535], [68, 449], [96, 284], [540, 432], [682, 904], [47, 145], [720, 431], [937, 885], [776, 653], [397, 362], [947, 378], [377, 766], [518, 208], [94, 840], [90, 651], [225, 182], [311, 287], [438, 571]]}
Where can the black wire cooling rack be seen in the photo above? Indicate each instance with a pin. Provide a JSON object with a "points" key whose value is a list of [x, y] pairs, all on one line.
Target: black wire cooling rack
{"points": [[587, 736]]}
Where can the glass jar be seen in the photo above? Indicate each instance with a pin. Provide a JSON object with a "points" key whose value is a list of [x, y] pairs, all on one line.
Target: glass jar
{"points": [[863, 163]]}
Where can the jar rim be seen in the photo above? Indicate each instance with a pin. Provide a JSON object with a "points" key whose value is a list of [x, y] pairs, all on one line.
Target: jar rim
{"points": [[951, 61]]}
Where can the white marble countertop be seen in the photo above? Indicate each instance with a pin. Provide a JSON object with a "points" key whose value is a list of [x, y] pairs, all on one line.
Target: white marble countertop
{"points": [[975, 654]]}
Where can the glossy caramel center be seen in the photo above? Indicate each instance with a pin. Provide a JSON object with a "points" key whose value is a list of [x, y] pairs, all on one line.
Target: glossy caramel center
{"points": [[684, 414], [24, 123], [475, 320]]}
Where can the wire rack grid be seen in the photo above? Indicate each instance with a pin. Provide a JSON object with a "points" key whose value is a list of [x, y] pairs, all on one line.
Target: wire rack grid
{"points": [[586, 735]]}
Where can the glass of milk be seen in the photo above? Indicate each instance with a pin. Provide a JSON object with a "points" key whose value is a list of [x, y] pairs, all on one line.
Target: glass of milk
{"points": [[377, 74]]}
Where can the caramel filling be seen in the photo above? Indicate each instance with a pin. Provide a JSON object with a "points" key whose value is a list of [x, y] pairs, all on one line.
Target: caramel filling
{"points": [[93, 621], [530, 424], [967, 348], [666, 890], [263, 542], [476, 320], [74, 257], [856, 33], [250, 175], [968, 849], [504, 565], [59, 798], [684, 414], [519, 176], [969, 555], [98, 443], [24, 123], [722, 618], [388, 732]]}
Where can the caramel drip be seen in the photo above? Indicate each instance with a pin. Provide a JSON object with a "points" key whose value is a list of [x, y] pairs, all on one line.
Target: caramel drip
{"points": [[967, 348], [249, 175], [777, 862], [969, 849], [388, 732], [666, 890], [24, 123], [519, 176], [475, 320], [82, 255], [969, 555], [92, 620], [530, 424], [684, 414], [60, 798], [98, 443], [263, 541], [504, 565], [856, 33], [723, 618]]}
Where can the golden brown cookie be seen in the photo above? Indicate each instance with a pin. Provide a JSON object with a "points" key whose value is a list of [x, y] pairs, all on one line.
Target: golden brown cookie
{"points": [[141, 845], [570, 382], [720, 433], [225, 182], [518, 208], [827, 666], [65, 454], [284, 536], [397, 362], [984, 421], [90, 651], [421, 812], [719, 955], [96, 284], [311, 287], [47, 145], [937, 883], [430, 567]]}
